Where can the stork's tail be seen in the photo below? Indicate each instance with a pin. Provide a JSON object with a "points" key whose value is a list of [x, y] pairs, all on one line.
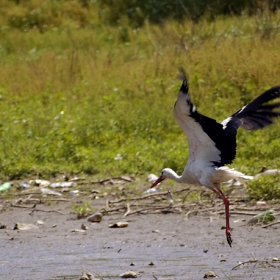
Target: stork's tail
{"points": [[227, 174]]}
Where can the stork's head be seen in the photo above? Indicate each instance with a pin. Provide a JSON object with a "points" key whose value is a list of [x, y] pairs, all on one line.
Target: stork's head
{"points": [[165, 173]]}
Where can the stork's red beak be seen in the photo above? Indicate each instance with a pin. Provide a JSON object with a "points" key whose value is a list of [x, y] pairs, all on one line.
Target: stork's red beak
{"points": [[157, 182]]}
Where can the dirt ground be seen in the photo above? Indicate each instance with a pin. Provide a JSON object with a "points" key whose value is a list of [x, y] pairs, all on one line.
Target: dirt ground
{"points": [[156, 246]]}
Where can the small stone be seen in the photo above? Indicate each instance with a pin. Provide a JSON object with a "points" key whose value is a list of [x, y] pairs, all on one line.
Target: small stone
{"points": [[84, 227], [129, 274], [95, 218], [77, 230], [87, 276], [20, 226], [210, 274], [119, 225]]}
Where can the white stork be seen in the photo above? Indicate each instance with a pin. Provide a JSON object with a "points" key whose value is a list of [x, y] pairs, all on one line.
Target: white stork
{"points": [[213, 144]]}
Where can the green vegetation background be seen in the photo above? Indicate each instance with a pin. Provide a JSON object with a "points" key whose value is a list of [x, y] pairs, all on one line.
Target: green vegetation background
{"points": [[89, 86]]}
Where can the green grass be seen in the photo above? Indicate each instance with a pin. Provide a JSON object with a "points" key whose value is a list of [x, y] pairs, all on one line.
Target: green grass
{"points": [[73, 96], [266, 188]]}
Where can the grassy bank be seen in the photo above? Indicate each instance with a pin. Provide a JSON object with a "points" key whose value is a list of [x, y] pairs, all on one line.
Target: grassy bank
{"points": [[75, 96]]}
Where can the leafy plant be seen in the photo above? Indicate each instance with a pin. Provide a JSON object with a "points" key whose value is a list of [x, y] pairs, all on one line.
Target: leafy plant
{"points": [[82, 210], [266, 187]]}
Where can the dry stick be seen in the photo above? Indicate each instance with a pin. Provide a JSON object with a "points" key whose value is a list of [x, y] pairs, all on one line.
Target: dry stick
{"points": [[200, 210], [225, 274], [271, 224], [182, 190], [190, 212], [59, 199], [254, 261], [101, 181], [39, 193], [143, 205], [127, 211], [101, 278], [148, 196], [34, 209], [107, 204], [29, 198], [151, 208], [239, 213], [21, 206], [241, 263], [141, 210], [26, 193], [46, 211], [140, 198], [114, 209]]}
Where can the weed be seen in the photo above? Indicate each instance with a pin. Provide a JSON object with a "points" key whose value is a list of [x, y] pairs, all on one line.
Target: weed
{"points": [[265, 187], [82, 210]]}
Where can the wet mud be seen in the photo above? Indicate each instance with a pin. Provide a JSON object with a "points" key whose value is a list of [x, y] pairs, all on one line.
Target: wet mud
{"points": [[156, 246]]}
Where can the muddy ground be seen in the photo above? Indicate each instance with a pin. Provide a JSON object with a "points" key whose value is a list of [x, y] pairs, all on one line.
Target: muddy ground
{"points": [[157, 246]]}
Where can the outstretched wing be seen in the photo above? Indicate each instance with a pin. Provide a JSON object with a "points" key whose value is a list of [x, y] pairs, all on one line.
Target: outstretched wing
{"points": [[255, 115], [207, 139], [213, 143]]}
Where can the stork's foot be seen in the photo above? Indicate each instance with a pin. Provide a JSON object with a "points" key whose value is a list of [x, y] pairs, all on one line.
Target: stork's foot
{"points": [[229, 240]]}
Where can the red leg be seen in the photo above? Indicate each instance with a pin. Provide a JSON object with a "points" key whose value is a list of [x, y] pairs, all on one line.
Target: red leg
{"points": [[226, 202]]}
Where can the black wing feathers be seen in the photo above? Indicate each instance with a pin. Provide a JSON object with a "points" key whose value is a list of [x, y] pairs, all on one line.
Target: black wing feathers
{"points": [[185, 86], [256, 115]]}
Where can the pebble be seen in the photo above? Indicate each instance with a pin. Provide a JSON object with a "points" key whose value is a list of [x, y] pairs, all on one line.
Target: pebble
{"points": [[129, 274], [119, 225], [95, 218], [210, 274]]}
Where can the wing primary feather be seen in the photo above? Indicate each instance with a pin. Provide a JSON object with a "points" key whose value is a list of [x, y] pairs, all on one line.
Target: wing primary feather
{"points": [[256, 115], [185, 86]]}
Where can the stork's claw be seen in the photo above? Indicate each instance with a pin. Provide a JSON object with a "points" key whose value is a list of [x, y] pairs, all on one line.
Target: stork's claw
{"points": [[229, 240]]}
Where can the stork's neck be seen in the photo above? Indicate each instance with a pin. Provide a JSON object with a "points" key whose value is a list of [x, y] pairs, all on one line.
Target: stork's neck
{"points": [[173, 175], [187, 177]]}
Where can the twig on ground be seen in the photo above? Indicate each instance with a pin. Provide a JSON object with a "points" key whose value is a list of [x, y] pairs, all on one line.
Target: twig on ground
{"points": [[240, 213], [271, 224], [128, 210], [35, 209], [148, 196], [262, 262], [21, 206], [46, 211], [111, 180], [139, 197], [113, 209]]}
